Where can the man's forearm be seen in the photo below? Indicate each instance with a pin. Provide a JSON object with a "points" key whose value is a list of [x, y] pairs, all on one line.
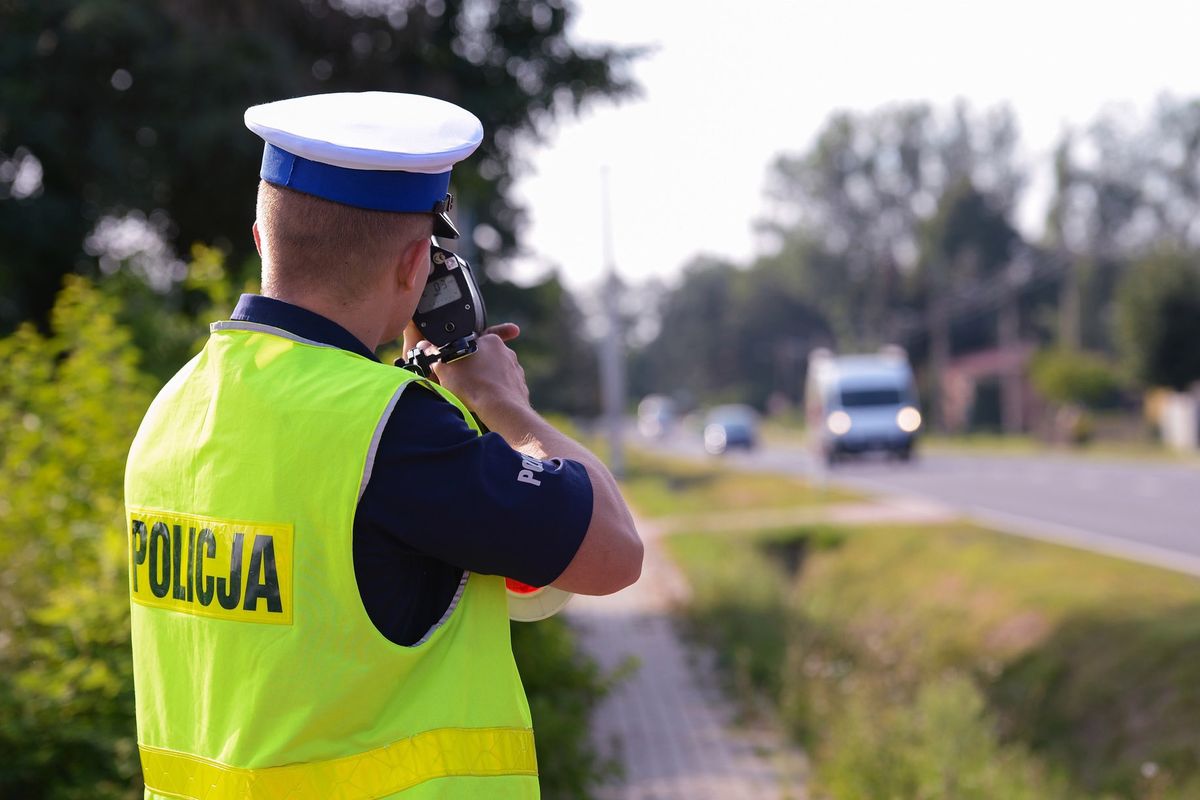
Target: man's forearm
{"points": [[610, 556], [527, 432]]}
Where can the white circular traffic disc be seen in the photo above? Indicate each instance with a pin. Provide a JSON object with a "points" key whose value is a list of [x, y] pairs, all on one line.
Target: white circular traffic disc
{"points": [[531, 606]]}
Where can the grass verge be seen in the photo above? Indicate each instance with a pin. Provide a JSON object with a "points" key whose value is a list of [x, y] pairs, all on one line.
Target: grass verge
{"points": [[661, 485], [1024, 445], [953, 662]]}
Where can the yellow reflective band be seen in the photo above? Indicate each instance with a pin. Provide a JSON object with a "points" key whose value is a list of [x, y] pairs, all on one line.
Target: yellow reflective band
{"points": [[440, 753]]}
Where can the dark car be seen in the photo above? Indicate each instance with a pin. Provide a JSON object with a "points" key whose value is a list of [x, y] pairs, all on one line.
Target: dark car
{"points": [[729, 427]]}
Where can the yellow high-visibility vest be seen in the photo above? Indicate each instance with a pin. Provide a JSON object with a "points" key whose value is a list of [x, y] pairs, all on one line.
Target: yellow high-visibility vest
{"points": [[257, 671]]}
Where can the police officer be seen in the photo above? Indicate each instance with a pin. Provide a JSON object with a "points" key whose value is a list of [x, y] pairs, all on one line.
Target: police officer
{"points": [[318, 541]]}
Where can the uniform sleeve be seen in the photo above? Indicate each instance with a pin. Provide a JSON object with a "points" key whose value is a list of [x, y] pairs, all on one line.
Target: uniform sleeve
{"points": [[472, 501]]}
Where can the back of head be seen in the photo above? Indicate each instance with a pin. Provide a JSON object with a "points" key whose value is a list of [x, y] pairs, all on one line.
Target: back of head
{"points": [[349, 181], [313, 246]]}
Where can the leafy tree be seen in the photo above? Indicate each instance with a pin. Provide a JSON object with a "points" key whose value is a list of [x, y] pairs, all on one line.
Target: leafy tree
{"points": [[776, 326], [969, 234], [964, 248], [1091, 224], [694, 350], [730, 334], [882, 211], [850, 209], [560, 364], [1174, 184], [1159, 319], [110, 107], [1123, 187]]}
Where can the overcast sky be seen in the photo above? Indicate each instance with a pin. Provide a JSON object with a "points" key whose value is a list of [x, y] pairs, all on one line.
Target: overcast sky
{"points": [[730, 86]]}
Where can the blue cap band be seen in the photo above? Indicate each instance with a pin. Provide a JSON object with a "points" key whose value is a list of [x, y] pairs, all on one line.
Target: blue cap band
{"points": [[381, 190]]}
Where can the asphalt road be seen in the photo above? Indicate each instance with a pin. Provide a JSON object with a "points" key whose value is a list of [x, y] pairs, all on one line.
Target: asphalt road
{"points": [[1143, 510]]}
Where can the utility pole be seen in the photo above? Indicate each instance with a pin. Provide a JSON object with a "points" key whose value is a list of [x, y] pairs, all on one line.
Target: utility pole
{"points": [[612, 355], [1070, 305], [1012, 385], [939, 339], [1070, 317]]}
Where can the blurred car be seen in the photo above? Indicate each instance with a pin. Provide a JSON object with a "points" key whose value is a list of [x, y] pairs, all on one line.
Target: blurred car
{"points": [[728, 427], [656, 416], [862, 403]]}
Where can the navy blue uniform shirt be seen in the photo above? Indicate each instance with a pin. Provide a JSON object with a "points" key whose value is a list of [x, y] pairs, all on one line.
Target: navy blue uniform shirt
{"points": [[442, 500]]}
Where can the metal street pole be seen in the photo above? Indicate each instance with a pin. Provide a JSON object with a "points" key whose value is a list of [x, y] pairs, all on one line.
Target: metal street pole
{"points": [[612, 355]]}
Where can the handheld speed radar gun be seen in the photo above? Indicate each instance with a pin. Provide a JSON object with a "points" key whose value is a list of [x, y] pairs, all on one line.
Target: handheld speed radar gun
{"points": [[451, 315]]}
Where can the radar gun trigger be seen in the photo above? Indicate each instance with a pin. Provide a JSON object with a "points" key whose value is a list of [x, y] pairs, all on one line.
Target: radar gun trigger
{"points": [[450, 313]]}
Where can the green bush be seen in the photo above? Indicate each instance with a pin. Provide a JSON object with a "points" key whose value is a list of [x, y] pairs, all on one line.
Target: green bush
{"points": [[1074, 382], [69, 404], [1064, 377], [939, 745]]}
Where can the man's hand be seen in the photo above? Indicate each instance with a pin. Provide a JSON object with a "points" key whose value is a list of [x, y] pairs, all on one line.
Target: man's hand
{"points": [[491, 382]]}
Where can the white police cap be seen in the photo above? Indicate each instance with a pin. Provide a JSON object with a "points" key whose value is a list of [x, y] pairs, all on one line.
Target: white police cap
{"points": [[379, 150]]}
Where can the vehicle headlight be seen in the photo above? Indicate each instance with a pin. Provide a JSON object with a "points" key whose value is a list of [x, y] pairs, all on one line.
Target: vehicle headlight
{"points": [[839, 423], [908, 419], [715, 439]]}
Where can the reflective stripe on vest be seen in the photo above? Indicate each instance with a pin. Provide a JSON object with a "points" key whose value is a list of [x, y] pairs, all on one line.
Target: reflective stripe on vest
{"points": [[442, 753]]}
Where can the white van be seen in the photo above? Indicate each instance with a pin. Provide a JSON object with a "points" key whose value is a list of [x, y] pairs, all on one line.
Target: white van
{"points": [[862, 403]]}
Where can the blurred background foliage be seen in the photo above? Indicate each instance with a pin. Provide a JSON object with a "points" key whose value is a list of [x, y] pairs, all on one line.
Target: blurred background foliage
{"points": [[1159, 319], [69, 403], [136, 109]]}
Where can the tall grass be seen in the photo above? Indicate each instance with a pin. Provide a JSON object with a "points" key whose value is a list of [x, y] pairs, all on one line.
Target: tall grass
{"points": [[951, 662], [661, 485]]}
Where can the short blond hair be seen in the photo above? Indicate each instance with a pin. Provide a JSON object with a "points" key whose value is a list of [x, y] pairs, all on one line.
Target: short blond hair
{"points": [[310, 244]]}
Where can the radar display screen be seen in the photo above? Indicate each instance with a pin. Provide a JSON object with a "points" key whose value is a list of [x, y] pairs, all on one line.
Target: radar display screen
{"points": [[438, 293]]}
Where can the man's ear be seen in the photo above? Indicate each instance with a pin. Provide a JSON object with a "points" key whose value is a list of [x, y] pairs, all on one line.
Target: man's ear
{"points": [[413, 269], [257, 238]]}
